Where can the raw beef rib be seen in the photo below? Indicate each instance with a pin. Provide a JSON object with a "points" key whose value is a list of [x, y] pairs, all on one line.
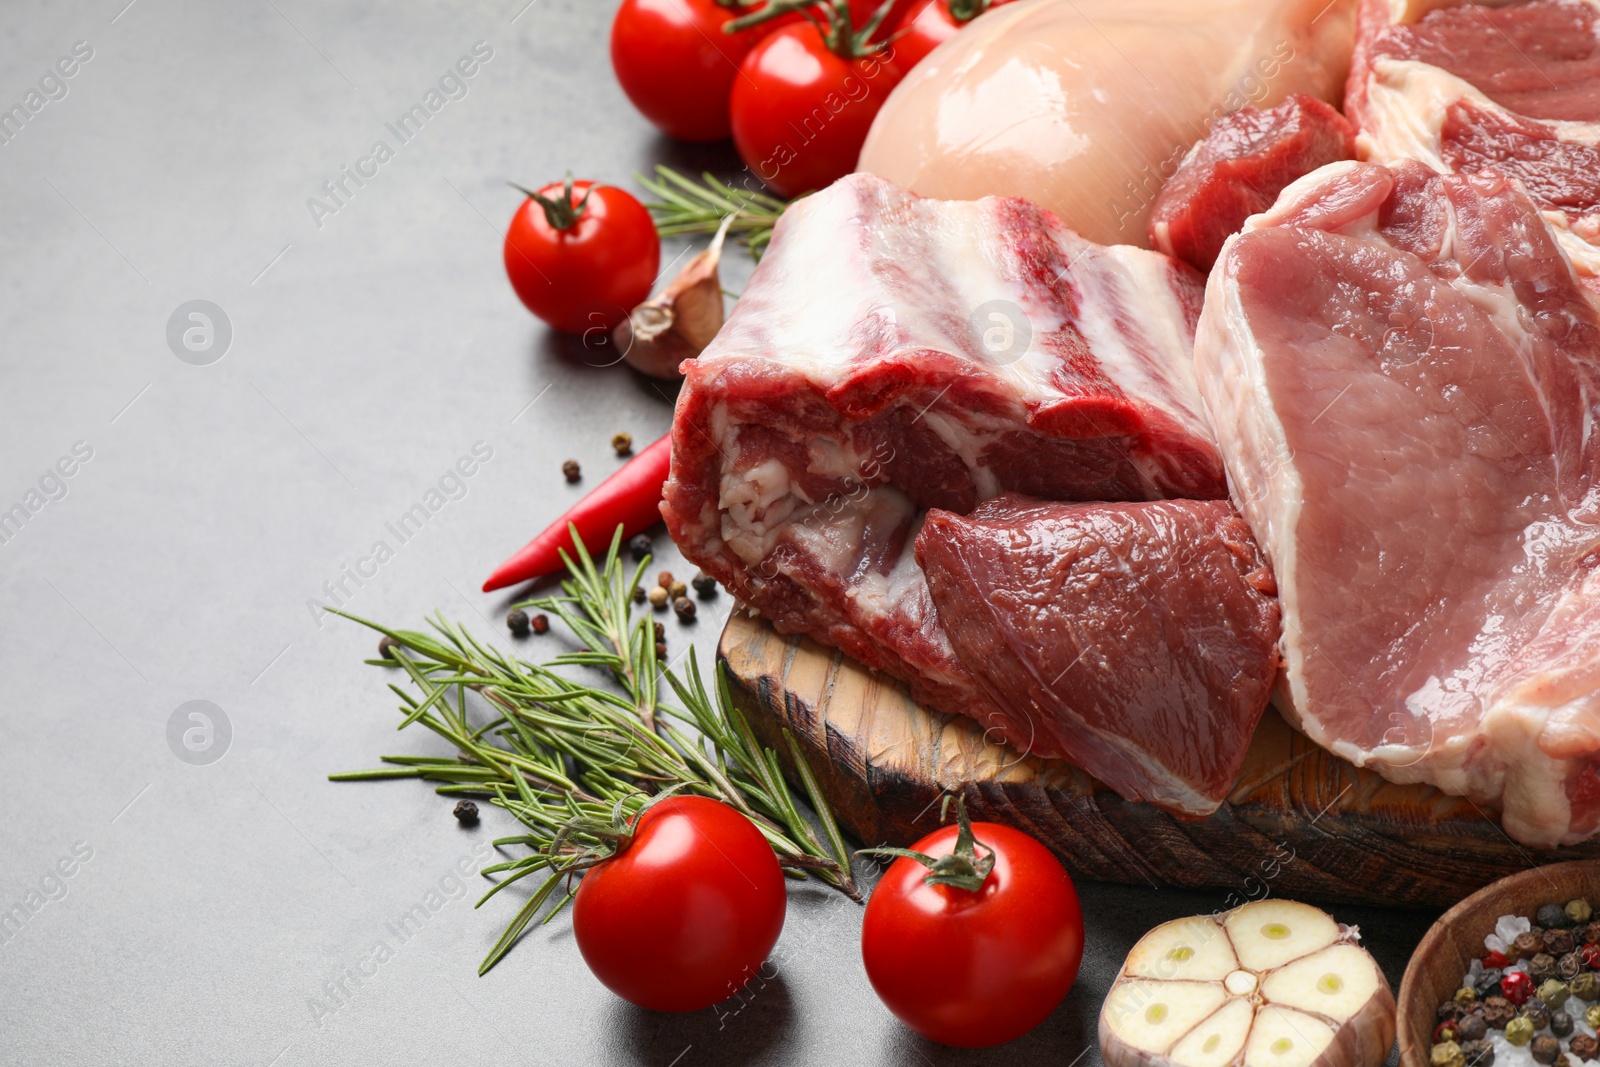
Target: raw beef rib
{"points": [[893, 354], [1141, 638], [1239, 168], [1402, 368], [1512, 86]]}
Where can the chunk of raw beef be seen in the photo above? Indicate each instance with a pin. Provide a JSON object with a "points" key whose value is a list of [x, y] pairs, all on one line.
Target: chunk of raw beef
{"points": [[1239, 168], [1510, 86], [893, 354], [1402, 369], [1140, 639]]}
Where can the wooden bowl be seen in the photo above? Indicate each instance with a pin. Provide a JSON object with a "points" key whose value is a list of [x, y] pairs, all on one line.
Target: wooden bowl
{"points": [[1452, 943]]}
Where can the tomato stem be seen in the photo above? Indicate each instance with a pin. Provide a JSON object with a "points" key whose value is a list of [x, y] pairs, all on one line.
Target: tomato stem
{"points": [[837, 31], [963, 868], [965, 10], [561, 214]]}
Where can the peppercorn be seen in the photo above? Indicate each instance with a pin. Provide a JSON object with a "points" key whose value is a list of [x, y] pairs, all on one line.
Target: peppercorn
{"points": [[1478, 1053], [1579, 912], [1558, 942], [661, 650], [705, 585], [1591, 1015], [622, 443], [1545, 1049], [685, 609], [1494, 959], [466, 813], [1584, 1047], [1471, 1028], [677, 589], [1466, 996], [1519, 1031], [1541, 967], [639, 547], [1553, 992], [517, 619], [1527, 944], [1551, 915], [1591, 933], [1445, 1031], [1537, 1013], [1516, 987], [658, 597], [1447, 1054], [1488, 982], [1569, 966], [661, 631], [385, 644], [664, 579], [1497, 1011], [571, 470], [1585, 986], [1450, 1010], [1563, 1061], [1561, 1023], [540, 623], [638, 594]]}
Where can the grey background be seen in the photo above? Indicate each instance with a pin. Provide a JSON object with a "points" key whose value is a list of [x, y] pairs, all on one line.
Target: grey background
{"points": [[367, 355]]}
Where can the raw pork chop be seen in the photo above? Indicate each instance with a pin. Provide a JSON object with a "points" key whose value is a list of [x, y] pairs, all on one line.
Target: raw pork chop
{"points": [[1239, 169], [1402, 366], [893, 354], [1515, 87], [1139, 638], [1086, 107]]}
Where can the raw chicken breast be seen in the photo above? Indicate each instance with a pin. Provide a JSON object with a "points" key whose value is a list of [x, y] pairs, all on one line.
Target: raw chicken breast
{"points": [[1086, 107]]}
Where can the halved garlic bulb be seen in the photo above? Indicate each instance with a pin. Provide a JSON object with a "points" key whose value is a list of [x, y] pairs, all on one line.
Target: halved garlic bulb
{"points": [[1270, 984]]}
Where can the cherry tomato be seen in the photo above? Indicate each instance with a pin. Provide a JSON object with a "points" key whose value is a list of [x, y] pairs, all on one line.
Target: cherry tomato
{"points": [[677, 65], [931, 23], [584, 257], [801, 111], [685, 914], [974, 968]]}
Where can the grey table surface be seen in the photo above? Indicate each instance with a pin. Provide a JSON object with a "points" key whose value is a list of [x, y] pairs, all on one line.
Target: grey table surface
{"points": [[243, 910]]}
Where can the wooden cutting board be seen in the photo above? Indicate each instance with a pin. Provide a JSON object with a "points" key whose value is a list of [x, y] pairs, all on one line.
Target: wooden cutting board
{"points": [[1300, 822]]}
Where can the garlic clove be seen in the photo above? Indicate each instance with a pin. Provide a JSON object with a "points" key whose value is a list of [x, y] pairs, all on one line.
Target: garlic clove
{"points": [[1270, 933], [680, 321], [1286, 1038], [1217, 1040], [1336, 982], [1151, 1015], [1194, 949]]}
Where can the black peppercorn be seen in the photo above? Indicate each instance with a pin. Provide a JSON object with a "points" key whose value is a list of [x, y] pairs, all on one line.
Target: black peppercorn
{"points": [[1471, 1028], [1488, 982], [466, 813], [1591, 933], [1542, 967], [1558, 942], [1552, 916], [1537, 1012], [1477, 1053], [639, 594], [1545, 1049], [1528, 943], [517, 620], [685, 608], [661, 632], [705, 585], [661, 650], [1568, 966], [385, 643], [639, 547], [1497, 1011], [571, 470], [1584, 1047], [1560, 1023]]}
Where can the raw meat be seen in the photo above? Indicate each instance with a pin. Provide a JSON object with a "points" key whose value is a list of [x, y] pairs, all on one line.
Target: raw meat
{"points": [[1239, 169], [1086, 107], [1463, 87], [1402, 367], [1139, 638], [893, 354]]}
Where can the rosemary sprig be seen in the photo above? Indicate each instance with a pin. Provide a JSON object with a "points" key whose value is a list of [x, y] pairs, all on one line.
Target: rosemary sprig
{"points": [[575, 763], [685, 206]]}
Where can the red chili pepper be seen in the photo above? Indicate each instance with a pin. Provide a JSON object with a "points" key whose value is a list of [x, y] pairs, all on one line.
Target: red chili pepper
{"points": [[1495, 961], [631, 498], [1516, 987]]}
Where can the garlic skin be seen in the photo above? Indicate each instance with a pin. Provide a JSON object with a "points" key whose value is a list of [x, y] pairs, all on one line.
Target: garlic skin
{"points": [[677, 323], [1270, 983]]}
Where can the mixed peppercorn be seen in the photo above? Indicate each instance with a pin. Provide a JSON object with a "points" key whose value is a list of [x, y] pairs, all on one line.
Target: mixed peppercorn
{"points": [[1537, 981]]}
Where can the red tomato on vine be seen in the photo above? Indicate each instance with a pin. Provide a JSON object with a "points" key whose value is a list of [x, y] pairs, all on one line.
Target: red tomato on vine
{"points": [[581, 256], [686, 911], [676, 63], [930, 23], [806, 98], [974, 935]]}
